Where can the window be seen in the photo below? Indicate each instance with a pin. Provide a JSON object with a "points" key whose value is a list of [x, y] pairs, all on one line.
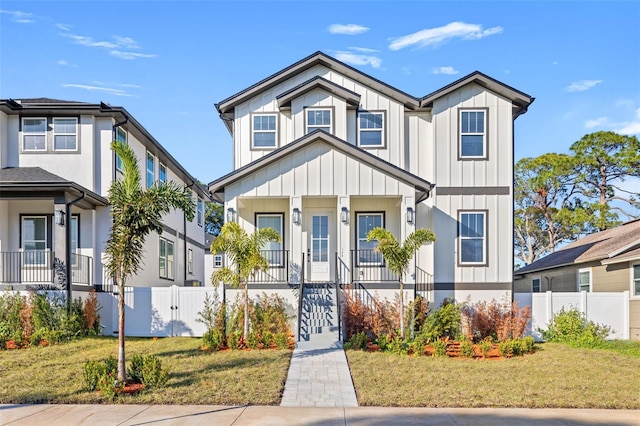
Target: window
{"points": [[121, 136], [472, 238], [190, 261], [264, 131], [365, 223], [535, 285], [162, 173], [151, 170], [272, 250], [584, 279], [34, 239], [370, 129], [635, 280], [65, 136], [166, 259], [472, 134], [34, 134], [199, 212], [217, 261], [318, 119]]}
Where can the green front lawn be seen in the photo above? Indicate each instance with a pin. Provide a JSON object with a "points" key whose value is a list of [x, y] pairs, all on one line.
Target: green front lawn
{"points": [[555, 376], [54, 374]]}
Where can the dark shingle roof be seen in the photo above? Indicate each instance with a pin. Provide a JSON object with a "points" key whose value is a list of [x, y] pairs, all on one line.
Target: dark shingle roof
{"points": [[46, 101], [28, 175]]}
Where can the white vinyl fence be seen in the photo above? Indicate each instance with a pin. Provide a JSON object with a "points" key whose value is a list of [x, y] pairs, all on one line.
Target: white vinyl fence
{"points": [[610, 309]]}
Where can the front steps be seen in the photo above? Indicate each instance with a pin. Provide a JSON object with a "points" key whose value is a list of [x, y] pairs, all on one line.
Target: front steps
{"points": [[319, 327]]}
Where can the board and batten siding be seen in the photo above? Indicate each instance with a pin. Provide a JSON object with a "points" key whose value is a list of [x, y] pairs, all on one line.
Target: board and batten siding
{"points": [[291, 124]]}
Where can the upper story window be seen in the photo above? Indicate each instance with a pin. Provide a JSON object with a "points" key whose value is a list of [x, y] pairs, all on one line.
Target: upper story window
{"points": [[584, 279], [635, 280], [264, 131], [190, 261], [371, 129], [472, 232], [34, 134], [365, 223], [199, 212], [319, 118], [162, 173], [151, 170], [272, 250], [166, 258], [121, 136], [473, 134], [65, 134]]}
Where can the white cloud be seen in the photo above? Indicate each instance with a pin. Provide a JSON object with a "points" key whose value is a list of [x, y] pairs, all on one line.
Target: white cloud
{"points": [[597, 122], [127, 42], [445, 70], [63, 27], [406, 70], [19, 17], [65, 63], [130, 55], [357, 59], [90, 42], [114, 46], [363, 49], [348, 29], [582, 85], [433, 36], [631, 127], [111, 91]]}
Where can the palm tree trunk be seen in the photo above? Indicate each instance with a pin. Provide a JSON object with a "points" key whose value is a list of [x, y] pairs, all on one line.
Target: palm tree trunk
{"points": [[401, 309], [246, 310], [122, 370]]}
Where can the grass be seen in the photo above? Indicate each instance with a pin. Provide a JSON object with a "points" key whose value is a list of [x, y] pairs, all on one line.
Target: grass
{"points": [[53, 374], [555, 376]]}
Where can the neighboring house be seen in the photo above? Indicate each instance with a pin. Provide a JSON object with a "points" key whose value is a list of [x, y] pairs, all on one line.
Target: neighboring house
{"points": [[56, 169], [323, 153], [607, 261]]}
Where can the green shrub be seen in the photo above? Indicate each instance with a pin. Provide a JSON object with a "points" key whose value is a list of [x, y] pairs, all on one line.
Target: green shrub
{"points": [[383, 342], [234, 339], [136, 365], [485, 346], [419, 344], [398, 346], [466, 349], [528, 344], [93, 371], [213, 340], [358, 341], [281, 340], [510, 347], [153, 375], [571, 327], [443, 322], [440, 348]]}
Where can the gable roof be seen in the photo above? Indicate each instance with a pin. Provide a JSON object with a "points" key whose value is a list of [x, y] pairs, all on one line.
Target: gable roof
{"points": [[609, 246], [424, 187], [284, 99]]}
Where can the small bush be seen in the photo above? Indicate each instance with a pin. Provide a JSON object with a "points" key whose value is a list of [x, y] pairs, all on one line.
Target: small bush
{"points": [[485, 346], [466, 349], [234, 340], [419, 344], [440, 348], [253, 340], [213, 340], [510, 348], [571, 327], [528, 344], [444, 322], [398, 346], [93, 371], [358, 341], [153, 375], [282, 341]]}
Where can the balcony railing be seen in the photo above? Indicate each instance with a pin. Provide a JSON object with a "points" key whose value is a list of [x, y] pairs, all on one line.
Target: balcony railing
{"points": [[42, 267], [368, 266], [278, 270]]}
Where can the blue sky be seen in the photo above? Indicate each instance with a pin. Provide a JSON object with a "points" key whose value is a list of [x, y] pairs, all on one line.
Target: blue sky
{"points": [[168, 62]]}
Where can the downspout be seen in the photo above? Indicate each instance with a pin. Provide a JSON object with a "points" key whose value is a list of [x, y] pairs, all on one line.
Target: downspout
{"points": [[67, 256]]}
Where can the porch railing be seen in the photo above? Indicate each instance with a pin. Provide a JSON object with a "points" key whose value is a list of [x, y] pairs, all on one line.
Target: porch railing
{"points": [[42, 267], [278, 270], [424, 282], [369, 266]]}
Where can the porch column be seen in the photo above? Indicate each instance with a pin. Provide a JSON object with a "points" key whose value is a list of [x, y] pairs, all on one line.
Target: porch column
{"points": [[296, 246], [59, 246], [407, 228], [344, 239]]}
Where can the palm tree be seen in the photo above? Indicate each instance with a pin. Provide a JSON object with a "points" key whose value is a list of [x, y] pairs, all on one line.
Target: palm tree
{"points": [[244, 253], [398, 256], [136, 213]]}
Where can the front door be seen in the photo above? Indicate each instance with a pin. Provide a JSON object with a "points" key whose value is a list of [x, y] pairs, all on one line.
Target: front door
{"points": [[319, 228]]}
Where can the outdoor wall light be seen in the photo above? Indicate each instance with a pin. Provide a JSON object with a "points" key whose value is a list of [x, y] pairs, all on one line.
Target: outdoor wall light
{"points": [[410, 215], [344, 215], [296, 216], [59, 217], [231, 215]]}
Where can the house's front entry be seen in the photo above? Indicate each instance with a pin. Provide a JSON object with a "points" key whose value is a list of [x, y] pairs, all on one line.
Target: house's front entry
{"points": [[320, 228]]}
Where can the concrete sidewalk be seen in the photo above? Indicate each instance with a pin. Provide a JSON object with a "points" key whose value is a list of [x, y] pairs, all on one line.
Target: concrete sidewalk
{"points": [[51, 415]]}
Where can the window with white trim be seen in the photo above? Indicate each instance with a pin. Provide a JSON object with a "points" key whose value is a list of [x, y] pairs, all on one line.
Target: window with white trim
{"points": [[472, 236], [635, 280], [34, 134], [365, 222], [121, 136], [34, 240], [319, 118], [166, 258], [584, 279], [65, 134], [190, 261], [218, 261], [535, 285], [151, 170], [473, 134], [162, 173], [272, 250], [200, 212], [264, 131], [371, 129]]}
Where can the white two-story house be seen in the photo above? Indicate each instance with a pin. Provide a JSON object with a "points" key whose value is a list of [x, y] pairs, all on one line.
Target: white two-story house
{"points": [[323, 153], [56, 167]]}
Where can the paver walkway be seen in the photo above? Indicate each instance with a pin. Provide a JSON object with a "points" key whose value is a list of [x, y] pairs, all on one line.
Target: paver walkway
{"points": [[319, 378]]}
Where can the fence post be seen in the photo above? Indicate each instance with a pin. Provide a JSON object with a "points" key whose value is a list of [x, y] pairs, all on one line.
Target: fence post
{"points": [[625, 309], [549, 303], [583, 304]]}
